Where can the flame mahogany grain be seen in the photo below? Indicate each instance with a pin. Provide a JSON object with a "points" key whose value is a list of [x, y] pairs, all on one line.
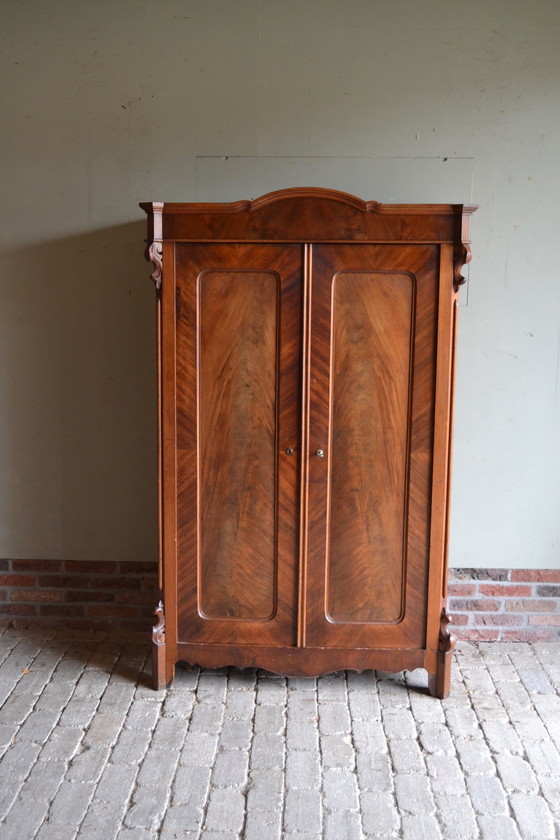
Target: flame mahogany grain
{"points": [[306, 356]]}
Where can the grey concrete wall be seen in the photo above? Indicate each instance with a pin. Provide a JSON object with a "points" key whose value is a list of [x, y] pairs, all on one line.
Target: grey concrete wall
{"points": [[109, 103]]}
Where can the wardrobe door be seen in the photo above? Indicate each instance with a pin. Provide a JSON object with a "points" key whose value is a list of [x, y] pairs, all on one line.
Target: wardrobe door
{"points": [[371, 406], [238, 359]]}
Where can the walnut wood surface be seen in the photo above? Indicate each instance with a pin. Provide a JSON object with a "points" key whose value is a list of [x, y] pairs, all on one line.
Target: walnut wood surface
{"points": [[306, 320]]}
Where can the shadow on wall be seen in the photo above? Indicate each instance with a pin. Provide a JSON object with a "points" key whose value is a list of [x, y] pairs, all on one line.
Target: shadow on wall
{"points": [[78, 396]]}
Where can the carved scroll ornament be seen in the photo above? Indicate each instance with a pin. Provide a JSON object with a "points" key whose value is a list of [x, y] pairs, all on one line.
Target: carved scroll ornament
{"points": [[158, 630], [446, 639], [462, 257], [154, 254]]}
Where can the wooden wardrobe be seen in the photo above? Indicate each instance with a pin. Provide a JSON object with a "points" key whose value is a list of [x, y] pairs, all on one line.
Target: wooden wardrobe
{"points": [[306, 354]]}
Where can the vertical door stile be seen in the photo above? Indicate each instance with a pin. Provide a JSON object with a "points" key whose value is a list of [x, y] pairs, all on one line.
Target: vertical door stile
{"points": [[304, 444]]}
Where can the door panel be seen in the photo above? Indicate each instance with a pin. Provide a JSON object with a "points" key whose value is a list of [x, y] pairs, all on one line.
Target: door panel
{"points": [[237, 382], [371, 412]]}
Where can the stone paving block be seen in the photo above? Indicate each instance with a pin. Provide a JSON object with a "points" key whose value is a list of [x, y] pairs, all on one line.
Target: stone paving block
{"points": [[211, 687], [536, 681], [487, 795], [142, 715], [333, 718], [332, 688], [158, 768], [340, 790], [446, 774], [303, 769], [236, 734], [435, 738], [267, 751], [199, 749], [206, 717], [55, 696], [342, 825], [92, 683], [380, 817], [102, 820], [269, 720], [302, 735], [420, 827], [271, 691], [49, 831], [391, 690], [24, 819], [226, 810], [178, 704], [463, 723], [190, 786], [302, 811], [242, 680], [502, 737], [364, 705], [34, 680], [498, 828], [263, 825], [71, 802], [104, 729], [79, 711], [399, 723], [130, 747], [19, 759], [44, 780], [38, 726], [370, 736], [544, 758], [513, 696], [374, 772], [181, 821], [490, 707], [240, 704], [529, 726], [116, 783], [302, 707], [337, 751], [17, 708], [265, 790], [231, 768], [516, 774], [186, 678], [424, 710], [474, 756], [169, 733], [147, 809], [478, 681], [117, 698], [88, 765], [456, 817], [533, 816], [406, 756], [413, 794]]}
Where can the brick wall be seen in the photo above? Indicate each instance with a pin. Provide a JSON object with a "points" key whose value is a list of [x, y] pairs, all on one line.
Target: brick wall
{"points": [[486, 604], [77, 595], [512, 605]]}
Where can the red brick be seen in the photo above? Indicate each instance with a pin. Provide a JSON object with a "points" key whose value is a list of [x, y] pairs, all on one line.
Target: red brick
{"points": [[35, 595], [88, 595], [4, 565], [150, 583], [18, 580], [112, 610], [465, 590], [485, 635], [499, 619], [504, 591], [527, 635], [530, 606], [458, 620], [136, 598], [36, 565], [94, 567], [3, 594], [545, 620], [548, 591], [482, 605], [137, 568], [540, 575], [18, 609], [62, 581], [61, 610], [116, 582]]}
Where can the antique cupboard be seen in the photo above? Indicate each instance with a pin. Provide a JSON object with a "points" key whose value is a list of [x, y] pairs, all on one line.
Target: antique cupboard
{"points": [[306, 355]]}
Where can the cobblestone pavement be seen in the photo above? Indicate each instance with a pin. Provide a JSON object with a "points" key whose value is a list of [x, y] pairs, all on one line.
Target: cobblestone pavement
{"points": [[90, 751]]}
